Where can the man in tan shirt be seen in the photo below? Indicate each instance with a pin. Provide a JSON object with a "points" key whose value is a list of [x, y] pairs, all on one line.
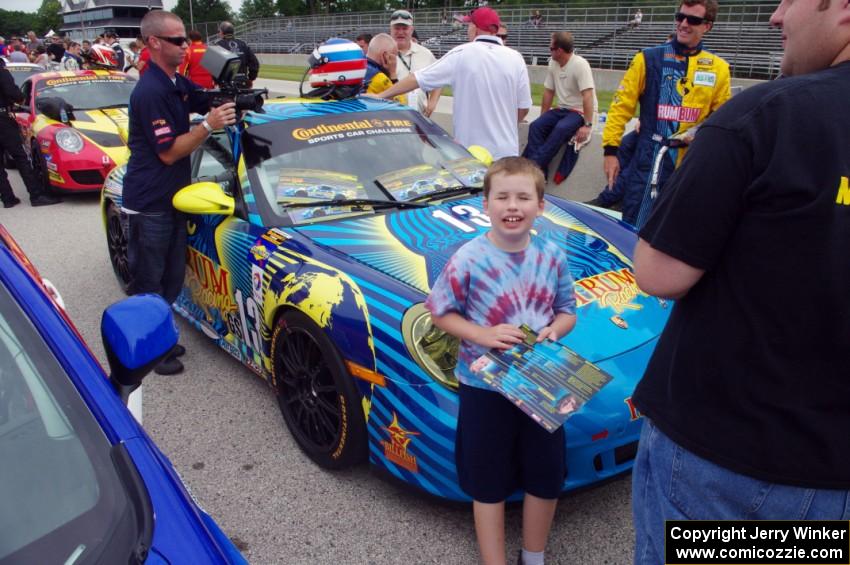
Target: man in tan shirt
{"points": [[413, 56], [570, 78]]}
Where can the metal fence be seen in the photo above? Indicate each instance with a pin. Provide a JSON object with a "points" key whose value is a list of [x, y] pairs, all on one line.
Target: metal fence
{"points": [[603, 33]]}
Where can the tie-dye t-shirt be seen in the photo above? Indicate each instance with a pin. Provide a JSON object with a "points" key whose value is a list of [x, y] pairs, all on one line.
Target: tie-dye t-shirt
{"points": [[488, 286]]}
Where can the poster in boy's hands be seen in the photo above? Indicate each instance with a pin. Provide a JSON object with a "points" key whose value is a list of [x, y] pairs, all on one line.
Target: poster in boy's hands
{"points": [[546, 380]]}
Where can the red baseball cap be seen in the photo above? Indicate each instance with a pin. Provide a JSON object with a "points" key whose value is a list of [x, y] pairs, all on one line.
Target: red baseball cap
{"points": [[484, 19]]}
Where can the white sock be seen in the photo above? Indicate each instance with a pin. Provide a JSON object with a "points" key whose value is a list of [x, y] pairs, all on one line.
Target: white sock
{"points": [[532, 557]]}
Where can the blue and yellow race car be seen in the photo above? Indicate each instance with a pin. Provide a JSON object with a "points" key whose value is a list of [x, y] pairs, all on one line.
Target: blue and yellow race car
{"points": [[323, 296]]}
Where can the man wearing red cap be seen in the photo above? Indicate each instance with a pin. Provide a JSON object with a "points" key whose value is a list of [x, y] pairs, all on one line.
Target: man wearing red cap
{"points": [[490, 84]]}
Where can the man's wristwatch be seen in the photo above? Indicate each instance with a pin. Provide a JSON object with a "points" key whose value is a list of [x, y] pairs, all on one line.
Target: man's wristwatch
{"points": [[588, 124], [207, 126]]}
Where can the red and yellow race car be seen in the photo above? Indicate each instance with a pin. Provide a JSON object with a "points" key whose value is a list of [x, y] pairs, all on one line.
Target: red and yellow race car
{"points": [[74, 126]]}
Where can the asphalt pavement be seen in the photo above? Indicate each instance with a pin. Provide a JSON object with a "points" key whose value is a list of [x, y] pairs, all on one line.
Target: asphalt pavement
{"points": [[221, 427]]}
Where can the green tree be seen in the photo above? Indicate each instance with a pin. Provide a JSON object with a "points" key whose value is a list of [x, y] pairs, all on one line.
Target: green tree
{"points": [[252, 9], [16, 23], [49, 16], [203, 11], [292, 7]]}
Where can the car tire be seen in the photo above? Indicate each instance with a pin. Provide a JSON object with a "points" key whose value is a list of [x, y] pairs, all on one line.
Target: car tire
{"points": [[316, 395], [39, 168], [116, 239]]}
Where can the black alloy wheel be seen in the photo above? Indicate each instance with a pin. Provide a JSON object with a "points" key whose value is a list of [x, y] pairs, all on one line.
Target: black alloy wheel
{"points": [[116, 240], [316, 395]]}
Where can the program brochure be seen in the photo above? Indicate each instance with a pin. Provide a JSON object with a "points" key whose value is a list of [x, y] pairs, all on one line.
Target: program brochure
{"points": [[546, 380]]}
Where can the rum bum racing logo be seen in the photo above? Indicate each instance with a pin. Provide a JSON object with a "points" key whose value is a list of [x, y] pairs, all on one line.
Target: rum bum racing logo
{"points": [[611, 289]]}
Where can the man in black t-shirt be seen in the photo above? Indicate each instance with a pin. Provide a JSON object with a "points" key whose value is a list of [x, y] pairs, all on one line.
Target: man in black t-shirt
{"points": [[250, 65], [747, 396]]}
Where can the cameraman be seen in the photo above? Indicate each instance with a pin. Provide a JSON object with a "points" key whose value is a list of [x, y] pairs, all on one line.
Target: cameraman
{"points": [[10, 142], [161, 142], [250, 65]]}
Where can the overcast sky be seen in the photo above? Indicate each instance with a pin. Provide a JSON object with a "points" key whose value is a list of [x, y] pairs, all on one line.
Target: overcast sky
{"points": [[33, 5]]}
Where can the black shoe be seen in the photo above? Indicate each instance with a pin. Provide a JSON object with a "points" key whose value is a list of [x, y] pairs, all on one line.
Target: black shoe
{"points": [[178, 351], [44, 200], [11, 203], [169, 366]]}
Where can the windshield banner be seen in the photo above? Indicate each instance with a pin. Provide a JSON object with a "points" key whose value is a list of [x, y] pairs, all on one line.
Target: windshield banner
{"points": [[293, 135]]}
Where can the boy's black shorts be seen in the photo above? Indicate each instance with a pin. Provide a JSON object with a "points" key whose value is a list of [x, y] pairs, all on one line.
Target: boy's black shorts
{"points": [[500, 449]]}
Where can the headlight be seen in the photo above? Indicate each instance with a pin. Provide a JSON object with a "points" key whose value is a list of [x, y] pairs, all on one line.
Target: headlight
{"points": [[432, 348], [69, 140]]}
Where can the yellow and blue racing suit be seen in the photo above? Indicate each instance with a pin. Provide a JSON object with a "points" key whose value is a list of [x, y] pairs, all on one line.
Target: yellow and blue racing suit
{"points": [[677, 88]]}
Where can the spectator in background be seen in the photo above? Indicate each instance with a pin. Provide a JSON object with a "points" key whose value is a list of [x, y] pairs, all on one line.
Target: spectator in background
{"points": [[40, 58], [490, 83], [2, 46], [71, 60], [413, 57], [503, 34], [85, 47], [110, 39], [363, 41], [132, 56], [381, 66], [56, 51], [250, 65], [536, 19], [569, 77], [702, 85], [191, 67], [638, 17], [144, 56], [757, 213], [32, 41], [18, 55]]}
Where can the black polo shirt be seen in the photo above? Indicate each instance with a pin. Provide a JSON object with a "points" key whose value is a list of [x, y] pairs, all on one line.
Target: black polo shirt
{"points": [[751, 371], [159, 113]]}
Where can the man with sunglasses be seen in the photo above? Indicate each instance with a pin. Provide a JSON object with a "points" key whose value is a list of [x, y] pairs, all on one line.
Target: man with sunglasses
{"points": [[678, 84], [570, 78], [746, 402], [161, 142], [413, 56]]}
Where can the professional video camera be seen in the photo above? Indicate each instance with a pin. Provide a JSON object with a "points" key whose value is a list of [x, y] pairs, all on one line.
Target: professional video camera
{"points": [[224, 65]]}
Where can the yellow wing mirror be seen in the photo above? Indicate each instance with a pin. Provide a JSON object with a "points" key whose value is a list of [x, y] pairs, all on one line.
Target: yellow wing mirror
{"points": [[481, 154], [204, 198]]}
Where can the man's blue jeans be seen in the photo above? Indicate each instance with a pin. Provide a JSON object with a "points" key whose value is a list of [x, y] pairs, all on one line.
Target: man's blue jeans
{"points": [[156, 252], [548, 133], [671, 483]]}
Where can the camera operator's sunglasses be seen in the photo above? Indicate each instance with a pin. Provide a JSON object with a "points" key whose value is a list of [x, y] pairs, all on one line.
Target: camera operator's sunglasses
{"points": [[692, 20], [178, 41]]}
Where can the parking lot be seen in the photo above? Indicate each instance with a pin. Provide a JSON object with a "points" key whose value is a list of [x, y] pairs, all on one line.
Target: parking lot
{"points": [[221, 427]]}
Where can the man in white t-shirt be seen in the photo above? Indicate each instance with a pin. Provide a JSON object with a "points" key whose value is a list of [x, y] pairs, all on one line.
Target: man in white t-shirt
{"points": [[490, 84], [570, 78], [413, 56]]}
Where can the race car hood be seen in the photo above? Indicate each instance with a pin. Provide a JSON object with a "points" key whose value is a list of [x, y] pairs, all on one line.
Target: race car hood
{"points": [[107, 129], [413, 246]]}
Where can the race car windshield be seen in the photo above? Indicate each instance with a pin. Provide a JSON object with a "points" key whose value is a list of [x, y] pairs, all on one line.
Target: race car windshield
{"points": [[89, 94], [64, 498], [377, 156]]}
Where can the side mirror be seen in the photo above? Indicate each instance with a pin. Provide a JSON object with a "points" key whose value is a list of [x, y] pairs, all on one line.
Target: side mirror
{"points": [[481, 153], [55, 108], [137, 332], [204, 198]]}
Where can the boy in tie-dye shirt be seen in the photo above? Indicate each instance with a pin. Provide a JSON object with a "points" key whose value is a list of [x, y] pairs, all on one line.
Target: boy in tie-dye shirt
{"points": [[491, 286]]}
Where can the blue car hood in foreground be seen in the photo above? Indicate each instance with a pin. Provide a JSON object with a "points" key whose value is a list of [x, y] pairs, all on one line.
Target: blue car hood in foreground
{"points": [[413, 246]]}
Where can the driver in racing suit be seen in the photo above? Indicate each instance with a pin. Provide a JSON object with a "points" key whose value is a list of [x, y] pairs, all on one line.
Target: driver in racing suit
{"points": [[678, 84]]}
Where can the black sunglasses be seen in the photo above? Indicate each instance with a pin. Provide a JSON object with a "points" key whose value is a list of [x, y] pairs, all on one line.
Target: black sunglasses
{"points": [[692, 20], [178, 41]]}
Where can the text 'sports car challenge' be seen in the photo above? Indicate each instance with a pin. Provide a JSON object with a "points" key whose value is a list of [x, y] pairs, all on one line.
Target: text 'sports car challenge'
{"points": [[74, 126], [323, 296], [80, 480]]}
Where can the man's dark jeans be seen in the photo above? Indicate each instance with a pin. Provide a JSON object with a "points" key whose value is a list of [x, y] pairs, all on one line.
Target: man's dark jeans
{"points": [[548, 133], [157, 253]]}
